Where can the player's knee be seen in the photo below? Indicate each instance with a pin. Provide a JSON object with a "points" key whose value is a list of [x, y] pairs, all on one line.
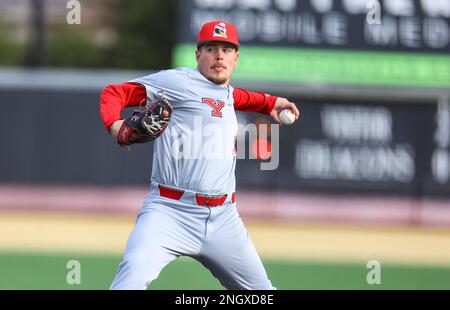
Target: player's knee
{"points": [[135, 271], [139, 265]]}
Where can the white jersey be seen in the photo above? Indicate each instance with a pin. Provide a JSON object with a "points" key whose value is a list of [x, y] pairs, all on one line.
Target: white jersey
{"points": [[197, 151]]}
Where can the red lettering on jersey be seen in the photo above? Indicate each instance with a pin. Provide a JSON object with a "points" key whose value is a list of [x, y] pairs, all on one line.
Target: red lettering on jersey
{"points": [[217, 106]]}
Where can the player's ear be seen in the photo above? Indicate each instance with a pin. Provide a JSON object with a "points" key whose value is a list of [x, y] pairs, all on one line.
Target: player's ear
{"points": [[236, 56], [197, 53]]}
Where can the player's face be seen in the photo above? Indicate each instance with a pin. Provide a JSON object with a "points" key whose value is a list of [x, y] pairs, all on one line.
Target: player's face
{"points": [[216, 61]]}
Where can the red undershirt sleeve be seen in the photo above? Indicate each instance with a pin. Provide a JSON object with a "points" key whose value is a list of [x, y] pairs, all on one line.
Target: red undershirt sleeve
{"points": [[248, 101], [115, 98]]}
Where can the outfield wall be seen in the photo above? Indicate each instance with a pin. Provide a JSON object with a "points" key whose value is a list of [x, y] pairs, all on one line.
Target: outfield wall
{"points": [[383, 147]]}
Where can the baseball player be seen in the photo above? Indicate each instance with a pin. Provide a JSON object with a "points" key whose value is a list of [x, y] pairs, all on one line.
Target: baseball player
{"points": [[190, 209]]}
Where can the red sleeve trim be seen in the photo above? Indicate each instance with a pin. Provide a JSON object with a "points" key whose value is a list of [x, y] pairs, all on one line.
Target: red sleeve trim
{"points": [[248, 101], [115, 98]]}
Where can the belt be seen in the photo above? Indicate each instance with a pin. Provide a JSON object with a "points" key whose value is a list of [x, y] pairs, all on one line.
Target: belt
{"points": [[200, 199]]}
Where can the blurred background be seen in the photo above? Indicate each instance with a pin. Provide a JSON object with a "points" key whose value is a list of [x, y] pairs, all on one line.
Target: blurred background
{"points": [[363, 175]]}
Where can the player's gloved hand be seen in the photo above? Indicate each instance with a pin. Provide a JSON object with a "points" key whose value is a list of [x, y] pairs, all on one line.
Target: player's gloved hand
{"points": [[145, 126]]}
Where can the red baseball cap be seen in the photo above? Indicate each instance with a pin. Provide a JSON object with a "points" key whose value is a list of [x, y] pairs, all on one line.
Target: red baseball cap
{"points": [[218, 30]]}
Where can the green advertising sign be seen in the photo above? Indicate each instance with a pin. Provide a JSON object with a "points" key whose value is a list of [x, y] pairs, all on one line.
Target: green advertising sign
{"points": [[306, 65]]}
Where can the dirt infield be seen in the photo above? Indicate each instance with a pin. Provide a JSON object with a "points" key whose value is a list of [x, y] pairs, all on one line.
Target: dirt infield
{"points": [[107, 233]]}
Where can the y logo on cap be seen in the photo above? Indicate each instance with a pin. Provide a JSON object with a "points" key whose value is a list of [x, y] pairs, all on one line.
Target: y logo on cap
{"points": [[220, 31]]}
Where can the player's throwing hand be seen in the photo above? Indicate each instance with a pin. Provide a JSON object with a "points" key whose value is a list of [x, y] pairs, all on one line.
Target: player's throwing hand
{"points": [[281, 104]]}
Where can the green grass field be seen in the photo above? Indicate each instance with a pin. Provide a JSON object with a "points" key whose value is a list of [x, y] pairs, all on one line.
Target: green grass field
{"points": [[47, 271]]}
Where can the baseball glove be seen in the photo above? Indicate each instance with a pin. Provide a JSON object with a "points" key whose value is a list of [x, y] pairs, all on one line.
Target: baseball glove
{"points": [[147, 125]]}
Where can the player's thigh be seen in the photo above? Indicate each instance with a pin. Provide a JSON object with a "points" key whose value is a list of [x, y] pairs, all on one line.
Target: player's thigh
{"points": [[158, 228], [149, 249], [232, 258], [141, 266], [237, 268]]}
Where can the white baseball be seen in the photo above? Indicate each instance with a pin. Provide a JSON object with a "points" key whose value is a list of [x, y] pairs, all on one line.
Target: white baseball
{"points": [[287, 117]]}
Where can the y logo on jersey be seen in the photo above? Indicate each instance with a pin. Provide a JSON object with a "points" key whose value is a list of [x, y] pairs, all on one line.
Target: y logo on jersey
{"points": [[216, 105]]}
